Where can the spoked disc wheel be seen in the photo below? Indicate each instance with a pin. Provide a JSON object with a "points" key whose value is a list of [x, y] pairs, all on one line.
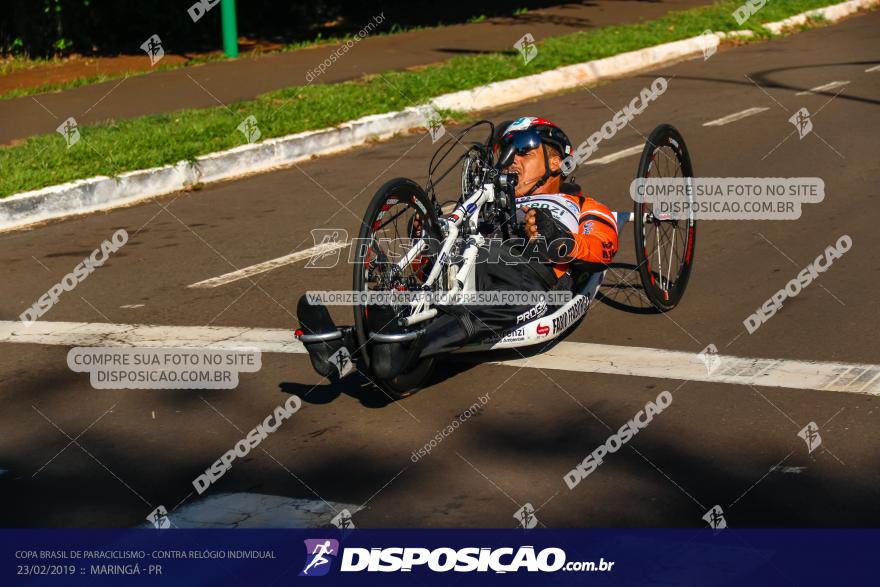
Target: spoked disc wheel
{"points": [[398, 216], [664, 245]]}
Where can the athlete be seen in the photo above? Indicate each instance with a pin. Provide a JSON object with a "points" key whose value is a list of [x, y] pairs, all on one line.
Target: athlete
{"points": [[570, 232]]}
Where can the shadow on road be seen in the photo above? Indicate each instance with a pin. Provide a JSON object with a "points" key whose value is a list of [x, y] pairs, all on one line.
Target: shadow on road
{"points": [[357, 385], [118, 470], [763, 79], [622, 290]]}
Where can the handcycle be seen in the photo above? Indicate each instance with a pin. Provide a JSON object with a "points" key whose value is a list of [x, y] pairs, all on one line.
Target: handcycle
{"points": [[411, 242]]}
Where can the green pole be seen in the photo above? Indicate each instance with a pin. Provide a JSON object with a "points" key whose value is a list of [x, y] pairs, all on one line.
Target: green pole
{"points": [[230, 32]]}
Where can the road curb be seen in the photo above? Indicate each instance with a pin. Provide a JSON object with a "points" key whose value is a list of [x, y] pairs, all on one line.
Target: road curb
{"points": [[103, 193], [831, 13]]}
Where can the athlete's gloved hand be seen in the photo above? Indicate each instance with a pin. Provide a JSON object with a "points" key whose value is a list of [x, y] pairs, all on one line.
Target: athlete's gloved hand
{"points": [[530, 222], [539, 222]]}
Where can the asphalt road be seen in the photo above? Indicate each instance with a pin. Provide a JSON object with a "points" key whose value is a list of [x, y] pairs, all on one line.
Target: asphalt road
{"points": [[225, 82], [76, 456]]}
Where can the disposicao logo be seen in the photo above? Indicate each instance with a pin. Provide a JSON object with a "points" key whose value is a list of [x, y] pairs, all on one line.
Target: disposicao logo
{"points": [[320, 553]]}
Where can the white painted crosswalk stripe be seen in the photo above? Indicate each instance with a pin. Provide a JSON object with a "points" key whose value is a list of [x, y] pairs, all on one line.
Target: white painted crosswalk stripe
{"points": [[736, 116], [823, 88], [565, 356], [267, 340], [271, 264], [664, 364], [256, 510]]}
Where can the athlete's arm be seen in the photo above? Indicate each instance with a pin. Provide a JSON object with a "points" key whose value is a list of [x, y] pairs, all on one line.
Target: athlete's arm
{"points": [[596, 240]]}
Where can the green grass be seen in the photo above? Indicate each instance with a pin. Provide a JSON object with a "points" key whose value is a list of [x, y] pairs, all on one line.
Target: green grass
{"points": [[113, 148]]}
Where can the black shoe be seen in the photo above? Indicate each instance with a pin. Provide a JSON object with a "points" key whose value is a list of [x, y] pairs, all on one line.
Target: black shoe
{"points": [[316, 320], [390, 359]]}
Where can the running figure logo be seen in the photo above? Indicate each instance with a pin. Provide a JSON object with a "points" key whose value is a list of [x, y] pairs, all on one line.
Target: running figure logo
{"points": [[318, 553], [801, 121], [250, 129], [526, 516], [342, 520], [715, 518], [159, 518], [710, 358], [153, 48], [433, 121], [70, 131], [708, 44], [810, 434], [526, 47], [341, 359], [326, 252]]}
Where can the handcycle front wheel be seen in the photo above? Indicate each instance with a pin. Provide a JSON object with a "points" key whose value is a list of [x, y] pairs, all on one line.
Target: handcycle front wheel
{"points": [[398, 215], [665, 245]]}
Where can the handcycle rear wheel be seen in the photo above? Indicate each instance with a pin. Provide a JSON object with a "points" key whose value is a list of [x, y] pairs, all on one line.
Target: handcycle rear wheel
{"points": [[388, 227], [665, 246]]}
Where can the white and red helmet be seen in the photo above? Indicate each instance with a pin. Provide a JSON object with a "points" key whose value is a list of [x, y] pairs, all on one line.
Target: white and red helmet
{"points": [[529, 132]]}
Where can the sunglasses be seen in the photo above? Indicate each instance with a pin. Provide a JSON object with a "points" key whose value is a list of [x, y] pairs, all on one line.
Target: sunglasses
{"points": [[523, 141]]}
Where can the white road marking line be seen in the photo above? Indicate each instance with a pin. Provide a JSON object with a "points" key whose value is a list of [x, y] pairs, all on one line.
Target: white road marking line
{"points": [[267, 340], [255, 510], [857, 380], [615, 156], [664, 364], [736, 116], [823, 88], [660, 363], [875, 68], [131, 306], [789, 470], [867, 383], [566, 356], [270, 265], [840, 373]]}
